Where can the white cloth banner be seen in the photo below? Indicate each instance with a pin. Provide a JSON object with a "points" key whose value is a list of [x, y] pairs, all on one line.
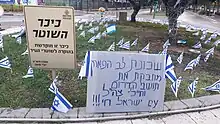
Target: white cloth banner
{"points": [[125, 82]]}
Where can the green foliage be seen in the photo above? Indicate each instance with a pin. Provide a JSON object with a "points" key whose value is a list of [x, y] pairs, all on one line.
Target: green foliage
{"points": [[33, 92]]}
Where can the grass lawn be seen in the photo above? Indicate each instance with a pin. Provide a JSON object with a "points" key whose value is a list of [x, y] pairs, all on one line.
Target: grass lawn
{"points": [[33, 92]]}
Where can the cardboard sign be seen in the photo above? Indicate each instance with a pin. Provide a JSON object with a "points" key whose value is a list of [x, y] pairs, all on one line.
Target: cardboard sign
{"points": [[125, 82], [51, 36]]}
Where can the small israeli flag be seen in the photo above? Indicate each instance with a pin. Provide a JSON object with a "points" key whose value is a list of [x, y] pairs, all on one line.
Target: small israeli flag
{"points": [[60, 103], [135, 42], [208, 41], [112, 47], [87, 22], [170, 73], [1, 42], [216, 42], [126, 45], [91, 30], [82, 34], [106, 25], [80, 27], [192, 87], [25, 52], [111, 29], [146, 48], [92, 39], [164, 51], [53, 86], [104, 34], [203, 37], [30, 73], [166, 44], [120, 42], [204, 31], [98, 36], [90, 24], [76, 24], [18, 40], [190, 65], [197, 59], [175, 86], [180, 58], [101, 22], [5, 63], [207, 57], [196, 34], [82, 72], [214, 35], [197, 45], [211, 51], [213, 87], [96, 28]]}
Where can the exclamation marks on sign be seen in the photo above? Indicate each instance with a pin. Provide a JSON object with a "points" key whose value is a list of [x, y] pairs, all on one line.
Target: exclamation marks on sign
{"points": [[96, 100]]}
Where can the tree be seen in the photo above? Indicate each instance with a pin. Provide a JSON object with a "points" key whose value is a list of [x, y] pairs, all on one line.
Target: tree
{"points": [[173, 12], [136, 4]]}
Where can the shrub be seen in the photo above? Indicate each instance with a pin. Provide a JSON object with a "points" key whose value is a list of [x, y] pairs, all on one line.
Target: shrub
{"points": [[12, 8]]}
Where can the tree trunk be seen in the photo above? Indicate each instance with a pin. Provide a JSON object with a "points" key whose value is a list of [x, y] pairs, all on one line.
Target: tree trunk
{"points": [[136, 8], [172, 19], [218, 6]]}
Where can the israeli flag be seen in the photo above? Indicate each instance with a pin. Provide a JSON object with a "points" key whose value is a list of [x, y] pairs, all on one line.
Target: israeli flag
{"points": [[197, 59], [208, 41], [170, 73], [91, 30], [204, 31], [210, 51], [214, 35], [98, 36], [180, 58], [146, 48], [207, 57], [135, 42], [216, 42], [213, 87], [104, 34], [112, 47], [1, 42], [85, 65], [101, 22], [203, 37], [164, 51], [80, 27], [197, 45], [87, 22], [20, 34], [60, 103], [82, 34], [106, 25], [175, 86], [76, 24], [5, 63], [166, 44], [92, 39], [18, 40], [190, 65], [30, 73], [25, 52], [126, 45], [192, 87], [111, 29], [90, 24], [96, 28], [53, 86], [196, 34], [121, 42]]}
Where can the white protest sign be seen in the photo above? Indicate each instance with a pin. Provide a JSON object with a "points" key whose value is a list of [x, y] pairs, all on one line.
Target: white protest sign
{"points": [[125, 82]]}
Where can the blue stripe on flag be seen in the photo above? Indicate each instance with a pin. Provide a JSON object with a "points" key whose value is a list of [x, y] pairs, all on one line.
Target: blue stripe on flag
{"points": [[171, 75], [53, 108], [63, 100], [87, 64], [169, 66]]}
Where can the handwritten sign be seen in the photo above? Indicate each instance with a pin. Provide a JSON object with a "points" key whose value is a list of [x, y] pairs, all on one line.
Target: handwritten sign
{"points": [[125, 82], [51, 36]]}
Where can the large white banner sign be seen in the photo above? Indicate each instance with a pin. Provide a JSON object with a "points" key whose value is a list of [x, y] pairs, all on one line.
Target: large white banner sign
{"points": [[125, 82]]}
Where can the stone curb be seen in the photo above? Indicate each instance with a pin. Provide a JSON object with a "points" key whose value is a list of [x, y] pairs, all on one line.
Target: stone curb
{"points": [[80, 113]]}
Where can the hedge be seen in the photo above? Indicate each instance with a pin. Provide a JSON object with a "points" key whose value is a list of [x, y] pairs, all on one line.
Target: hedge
{"points": [[12, 8]]}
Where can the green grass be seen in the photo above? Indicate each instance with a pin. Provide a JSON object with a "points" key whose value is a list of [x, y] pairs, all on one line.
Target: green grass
{"points": [[17, 92]]}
